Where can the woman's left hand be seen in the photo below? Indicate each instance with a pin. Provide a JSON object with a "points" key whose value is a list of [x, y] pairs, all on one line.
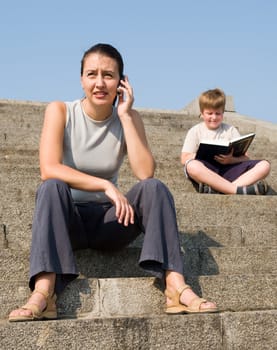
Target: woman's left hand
{"points": [[139, 154], [125, 98], [123, 209]]}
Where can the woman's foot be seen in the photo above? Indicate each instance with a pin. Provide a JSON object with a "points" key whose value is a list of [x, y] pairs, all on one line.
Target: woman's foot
{"points": [[36, 298], [188, 295], [184, 300], [40, 305]]}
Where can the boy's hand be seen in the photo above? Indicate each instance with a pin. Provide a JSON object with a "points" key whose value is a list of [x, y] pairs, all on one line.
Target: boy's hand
{"points": [[225, 158]]}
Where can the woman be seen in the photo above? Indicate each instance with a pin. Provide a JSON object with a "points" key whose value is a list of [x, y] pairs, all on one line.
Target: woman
{"points": [[78, 205]]}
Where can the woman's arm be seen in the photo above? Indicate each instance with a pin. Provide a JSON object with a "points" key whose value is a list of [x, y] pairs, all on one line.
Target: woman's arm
{"points": [[51, 153], [139, 153], [51, 166]]}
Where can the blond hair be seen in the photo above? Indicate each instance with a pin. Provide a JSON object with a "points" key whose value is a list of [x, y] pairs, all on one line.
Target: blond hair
{"points": [[212, 99]]}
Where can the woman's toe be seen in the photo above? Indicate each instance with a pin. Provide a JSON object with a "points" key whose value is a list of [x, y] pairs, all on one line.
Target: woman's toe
{"points": [[208, 305], [20, 312]]}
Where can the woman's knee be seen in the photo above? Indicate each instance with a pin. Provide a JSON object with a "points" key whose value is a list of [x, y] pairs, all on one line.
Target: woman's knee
{"points": [[155, 188], [52, 186], [152, 184], [53, 182]]}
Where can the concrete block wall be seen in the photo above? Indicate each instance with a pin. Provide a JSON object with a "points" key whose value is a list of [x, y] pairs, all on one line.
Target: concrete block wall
{"points": [[229, 244]]}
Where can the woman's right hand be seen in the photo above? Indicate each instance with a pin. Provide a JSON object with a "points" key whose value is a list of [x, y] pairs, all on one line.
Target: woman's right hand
{"points": [[123, 209]]}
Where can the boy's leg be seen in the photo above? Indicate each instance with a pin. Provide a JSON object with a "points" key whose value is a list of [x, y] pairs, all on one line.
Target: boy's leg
{"points": [[231, 177], [257, 170], [206, 174], [248, 176]]}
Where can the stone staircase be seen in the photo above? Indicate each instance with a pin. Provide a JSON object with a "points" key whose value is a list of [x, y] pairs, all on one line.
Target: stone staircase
{"points": [[229, 242]]}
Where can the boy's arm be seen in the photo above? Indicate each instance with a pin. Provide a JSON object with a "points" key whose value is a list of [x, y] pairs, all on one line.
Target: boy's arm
{"points": [[185, 156], [190, 146], [229, 159]]}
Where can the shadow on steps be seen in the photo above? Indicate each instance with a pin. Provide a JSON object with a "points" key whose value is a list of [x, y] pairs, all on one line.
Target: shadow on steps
{"points": [[99, 269]]}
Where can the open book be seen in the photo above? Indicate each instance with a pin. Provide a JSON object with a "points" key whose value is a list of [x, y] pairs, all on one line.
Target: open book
{"points": [[209, 148]]}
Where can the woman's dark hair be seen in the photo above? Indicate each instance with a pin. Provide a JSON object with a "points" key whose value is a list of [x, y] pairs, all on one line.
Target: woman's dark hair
{"points": [[106, 50]]}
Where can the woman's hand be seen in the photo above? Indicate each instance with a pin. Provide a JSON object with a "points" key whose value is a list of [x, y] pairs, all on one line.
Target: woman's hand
{"points": [[139, 154], [123, 209], [125, 98]]}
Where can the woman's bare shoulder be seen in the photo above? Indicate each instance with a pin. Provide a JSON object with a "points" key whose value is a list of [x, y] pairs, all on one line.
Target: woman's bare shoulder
{"points": [[56, 105]]}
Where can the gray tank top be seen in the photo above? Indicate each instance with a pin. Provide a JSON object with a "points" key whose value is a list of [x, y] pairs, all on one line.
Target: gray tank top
{"points": [[95, 148]]}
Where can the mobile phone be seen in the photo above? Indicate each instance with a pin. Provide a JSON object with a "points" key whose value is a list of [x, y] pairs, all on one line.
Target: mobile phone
{"points": [[121, 78]]}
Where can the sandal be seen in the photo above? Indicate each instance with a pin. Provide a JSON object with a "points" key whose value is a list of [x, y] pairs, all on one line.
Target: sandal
{"points": [[194, 307], [204, 188], [48, 313], [258, 188]]}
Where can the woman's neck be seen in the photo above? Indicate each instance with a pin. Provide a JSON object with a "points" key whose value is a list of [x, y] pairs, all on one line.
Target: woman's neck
{"points": [[98, 113]]}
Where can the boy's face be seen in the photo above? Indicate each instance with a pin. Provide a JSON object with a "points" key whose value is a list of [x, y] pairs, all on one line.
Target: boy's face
{"points": [[212, 117]]}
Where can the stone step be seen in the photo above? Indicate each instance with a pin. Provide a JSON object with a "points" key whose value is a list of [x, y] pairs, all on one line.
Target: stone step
{"points": [[165, 148], [240, 330], [141, 296], [17, 169], [16, 234], [250, 212], [225, 208], [230, 245], [159, 140], [254, 215], [228, 236], [23, 132], [197, 261], [16, 177]]}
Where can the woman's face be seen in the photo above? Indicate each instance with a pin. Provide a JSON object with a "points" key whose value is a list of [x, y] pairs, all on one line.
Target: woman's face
{"points": [[100, 78]]}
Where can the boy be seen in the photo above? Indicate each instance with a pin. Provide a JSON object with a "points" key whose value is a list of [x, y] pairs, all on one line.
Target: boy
{"points": [[229, 174]]}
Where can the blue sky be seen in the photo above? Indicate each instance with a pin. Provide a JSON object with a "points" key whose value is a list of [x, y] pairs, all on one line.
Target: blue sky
{"points": [[173, 50]]}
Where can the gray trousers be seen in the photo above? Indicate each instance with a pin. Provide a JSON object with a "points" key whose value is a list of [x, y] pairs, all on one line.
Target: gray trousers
{"points": [[61, 226]]}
